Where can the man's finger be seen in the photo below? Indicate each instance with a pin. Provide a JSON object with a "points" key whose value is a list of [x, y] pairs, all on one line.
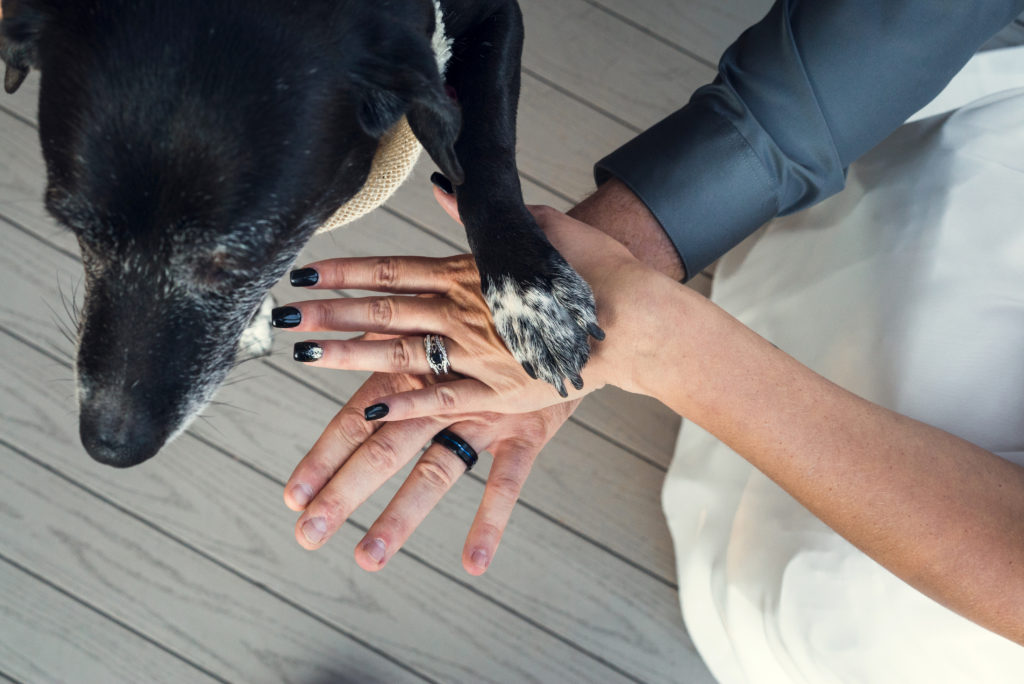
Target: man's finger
{"points": [[509, 470], [342, 436], [372, 464], [431, 478]]}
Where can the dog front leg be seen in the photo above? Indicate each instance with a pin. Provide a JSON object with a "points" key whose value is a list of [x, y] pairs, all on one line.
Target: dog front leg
{"points": [[543, 309]]}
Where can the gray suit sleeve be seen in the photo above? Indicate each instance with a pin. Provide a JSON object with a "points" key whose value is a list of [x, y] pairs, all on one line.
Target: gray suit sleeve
{"points": [[799, 96]]}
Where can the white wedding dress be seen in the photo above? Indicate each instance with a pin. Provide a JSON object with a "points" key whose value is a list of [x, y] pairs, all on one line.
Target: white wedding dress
{"points": [[907, 289]]}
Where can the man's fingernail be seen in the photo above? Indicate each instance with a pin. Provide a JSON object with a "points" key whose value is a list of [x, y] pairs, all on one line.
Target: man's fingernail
{"points": [[304, 277], [314, 530], [442, 182], [376, 412], [480, 558], [375, 549], [302, 494], [286, 317], [307, 352]]}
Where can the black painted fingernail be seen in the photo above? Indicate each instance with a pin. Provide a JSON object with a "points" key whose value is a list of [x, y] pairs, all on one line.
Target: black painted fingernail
{"points": [[595, 332], [528, 367], [286, 317], [307, 351], [376, 412], [577, 382], [304, 277], [442, 182]]}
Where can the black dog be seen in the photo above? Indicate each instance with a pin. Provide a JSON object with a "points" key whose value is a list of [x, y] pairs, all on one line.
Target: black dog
{"points": [[194, 147]]}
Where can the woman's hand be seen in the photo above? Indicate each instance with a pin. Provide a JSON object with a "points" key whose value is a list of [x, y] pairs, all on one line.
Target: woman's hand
{"points": [[451, 305]]}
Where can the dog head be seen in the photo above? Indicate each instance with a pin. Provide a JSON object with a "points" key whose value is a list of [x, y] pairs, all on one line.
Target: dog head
{"points": [[193, 148]]}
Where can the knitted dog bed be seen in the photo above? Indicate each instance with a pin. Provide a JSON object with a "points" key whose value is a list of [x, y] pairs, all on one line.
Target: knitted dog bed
{"points": [[397, 153]]}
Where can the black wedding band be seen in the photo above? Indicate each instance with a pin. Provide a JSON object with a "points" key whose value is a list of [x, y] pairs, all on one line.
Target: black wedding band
{"points": [[457, 446]]}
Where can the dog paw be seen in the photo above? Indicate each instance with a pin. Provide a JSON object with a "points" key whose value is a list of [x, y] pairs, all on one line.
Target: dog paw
{"points": [[257, 339], [546, 321]]}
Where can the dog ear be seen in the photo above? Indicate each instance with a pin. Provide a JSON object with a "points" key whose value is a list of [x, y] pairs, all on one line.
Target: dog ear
{"points": [[20, 26], [407, 82]]}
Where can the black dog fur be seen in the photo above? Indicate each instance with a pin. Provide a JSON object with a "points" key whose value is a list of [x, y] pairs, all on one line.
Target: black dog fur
{"points": [[194, 147]]}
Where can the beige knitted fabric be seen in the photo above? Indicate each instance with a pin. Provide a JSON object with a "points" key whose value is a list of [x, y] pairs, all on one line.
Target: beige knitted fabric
{"points": [[399, 149]]}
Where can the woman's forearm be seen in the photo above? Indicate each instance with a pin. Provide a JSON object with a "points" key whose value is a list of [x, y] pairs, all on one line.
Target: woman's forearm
{"points": [[939, 512]]}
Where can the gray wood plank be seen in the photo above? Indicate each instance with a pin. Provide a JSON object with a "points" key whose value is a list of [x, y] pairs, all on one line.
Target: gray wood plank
{"points": [[163, 590], [613, 66], [45, 636], [544, 571]]}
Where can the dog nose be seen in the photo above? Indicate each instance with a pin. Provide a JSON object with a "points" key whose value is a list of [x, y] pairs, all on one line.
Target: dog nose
{"points": [[119, 438]]}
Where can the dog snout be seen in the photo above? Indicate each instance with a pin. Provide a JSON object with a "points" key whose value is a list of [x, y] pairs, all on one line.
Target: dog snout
{"points": [[119, 436]]}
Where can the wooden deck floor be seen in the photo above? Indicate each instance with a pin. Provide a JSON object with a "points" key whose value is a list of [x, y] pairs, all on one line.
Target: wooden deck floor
{"points": [[185, 569]]}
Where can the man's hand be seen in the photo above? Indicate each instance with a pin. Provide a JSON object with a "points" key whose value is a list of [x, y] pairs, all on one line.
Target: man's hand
{"points": [[354, 457]]}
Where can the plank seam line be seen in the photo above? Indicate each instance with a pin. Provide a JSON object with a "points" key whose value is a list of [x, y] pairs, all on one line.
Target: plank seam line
{"points": [[412, 555], [648, 32], [211, 559], [38, 238], [7, 677], [582, 100], [423, 227], [19, 117], [550, 188], [102, 613]]}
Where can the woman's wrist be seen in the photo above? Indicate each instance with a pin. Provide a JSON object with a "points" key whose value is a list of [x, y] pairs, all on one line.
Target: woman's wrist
{"points": [[643, 313]]}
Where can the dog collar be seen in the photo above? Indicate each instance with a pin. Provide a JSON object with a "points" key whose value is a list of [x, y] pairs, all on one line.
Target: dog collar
{"points": [[397, 152]]}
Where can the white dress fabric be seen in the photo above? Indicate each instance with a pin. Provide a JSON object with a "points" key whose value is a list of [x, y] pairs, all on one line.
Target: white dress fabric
{"points": [[907, 289]]}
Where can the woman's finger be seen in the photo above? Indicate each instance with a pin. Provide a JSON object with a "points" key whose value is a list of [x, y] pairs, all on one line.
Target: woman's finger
{"points": [[443, 399], [401, 315], [509, 470], [396, 355], [399, 274], [430, 479]]}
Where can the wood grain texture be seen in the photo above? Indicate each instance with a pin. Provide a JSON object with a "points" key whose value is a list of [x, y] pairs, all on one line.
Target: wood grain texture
{"points": [[175, 597], [45, 636], [294, 606]]}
